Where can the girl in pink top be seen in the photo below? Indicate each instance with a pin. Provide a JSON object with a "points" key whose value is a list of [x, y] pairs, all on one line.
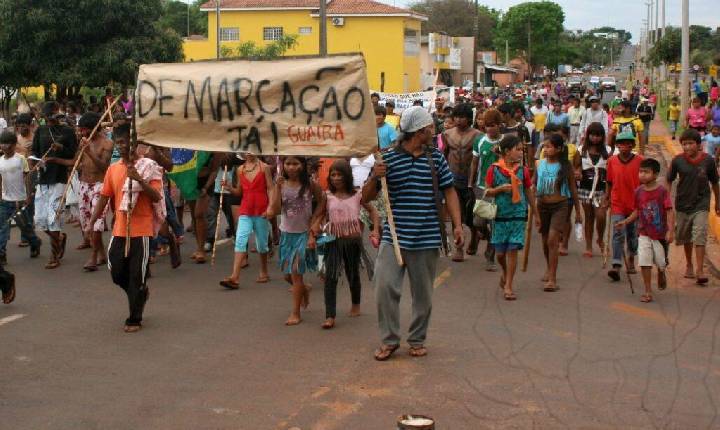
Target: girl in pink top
{"points": [[293, 196], [341, 209], [254, 180], [697, 116]]}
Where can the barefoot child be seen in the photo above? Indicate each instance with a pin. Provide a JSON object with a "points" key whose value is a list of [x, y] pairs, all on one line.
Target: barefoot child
{"points": [[342, 209], [697, 174], [656, 221], [593, 175], [555, 185], [254, 186], [484, 155], [293, 195], [623, 178], [511, 186]]}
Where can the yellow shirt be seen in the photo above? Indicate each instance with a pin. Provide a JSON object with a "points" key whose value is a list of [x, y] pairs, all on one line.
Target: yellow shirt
{"points": [[572, 150], [393, 120], [674, 113], [639, 128]]}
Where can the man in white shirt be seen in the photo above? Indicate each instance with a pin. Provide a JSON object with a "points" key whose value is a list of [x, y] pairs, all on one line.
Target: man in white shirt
{"points": [[14, 170], [575, 113], [595, 114], [3, 124]]}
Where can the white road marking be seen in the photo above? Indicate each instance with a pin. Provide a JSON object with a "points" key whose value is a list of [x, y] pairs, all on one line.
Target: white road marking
{"points": [[11, 318]]}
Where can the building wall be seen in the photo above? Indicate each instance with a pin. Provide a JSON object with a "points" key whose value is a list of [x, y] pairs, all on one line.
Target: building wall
{"points": [[380, 39]]}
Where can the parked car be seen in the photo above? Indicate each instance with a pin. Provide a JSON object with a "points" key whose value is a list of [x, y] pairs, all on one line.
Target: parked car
{"points": [[595, 81], [576, 85], [608, 83]]}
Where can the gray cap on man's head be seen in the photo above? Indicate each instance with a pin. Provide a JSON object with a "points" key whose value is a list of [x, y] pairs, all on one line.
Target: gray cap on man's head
{"points": [[414, 118]]}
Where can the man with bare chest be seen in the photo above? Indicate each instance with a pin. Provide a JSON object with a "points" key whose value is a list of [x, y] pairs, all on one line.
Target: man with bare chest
{"points": [[95, 159], [459, 143]]}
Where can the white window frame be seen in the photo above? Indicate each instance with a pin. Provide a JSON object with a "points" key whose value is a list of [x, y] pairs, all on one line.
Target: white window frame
{"points": [[229, 34], [411, 42], [272, 33], [304, 30]]}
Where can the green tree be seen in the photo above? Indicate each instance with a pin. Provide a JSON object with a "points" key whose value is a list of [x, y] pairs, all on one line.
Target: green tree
{"points": [[668, 49], [457, 18], [177, 15], [81, 43], [532, 30], [249, 49]]}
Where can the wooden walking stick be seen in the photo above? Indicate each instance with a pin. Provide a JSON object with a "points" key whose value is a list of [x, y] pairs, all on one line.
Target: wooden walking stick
{"points": [[528, 238], [217, 219], [130, 154], [390, 218], [61, 207], [606, 251]]}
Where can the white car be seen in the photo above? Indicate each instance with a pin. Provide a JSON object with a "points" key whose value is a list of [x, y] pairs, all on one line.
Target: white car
{"points": [[595, 81], [608, 83]]}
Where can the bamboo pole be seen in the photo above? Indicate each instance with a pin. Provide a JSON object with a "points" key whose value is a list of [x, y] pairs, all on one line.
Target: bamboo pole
{"points": [[528, 238], [217, 219], [80, 155], [390, 218]]}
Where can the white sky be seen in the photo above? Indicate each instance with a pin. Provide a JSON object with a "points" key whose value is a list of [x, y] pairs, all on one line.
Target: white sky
{"points": [[625, 14]]}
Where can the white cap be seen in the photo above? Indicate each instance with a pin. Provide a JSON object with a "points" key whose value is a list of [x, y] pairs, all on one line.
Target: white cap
{"points": [[414, 118]]}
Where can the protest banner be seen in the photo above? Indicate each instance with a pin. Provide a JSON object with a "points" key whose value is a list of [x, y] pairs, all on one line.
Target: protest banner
{"points": [[292, 106], [405, 100]]}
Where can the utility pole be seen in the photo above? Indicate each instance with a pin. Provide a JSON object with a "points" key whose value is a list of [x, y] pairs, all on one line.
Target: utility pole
{"points": [[507, 52], [685, 60], [476, 39], [663, 66], [188, 18], [217, 28], [323, 28]]}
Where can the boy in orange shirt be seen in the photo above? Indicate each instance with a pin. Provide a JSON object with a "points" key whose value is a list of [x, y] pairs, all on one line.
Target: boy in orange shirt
{"points": [[130, 272]]}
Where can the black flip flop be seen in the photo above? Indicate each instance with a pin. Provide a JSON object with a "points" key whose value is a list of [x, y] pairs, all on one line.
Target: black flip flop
{"points": [[702, 281]]}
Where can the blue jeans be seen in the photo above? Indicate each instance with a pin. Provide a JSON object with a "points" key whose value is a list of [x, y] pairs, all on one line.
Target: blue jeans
{"points": [[7, 210], [627, 234]]}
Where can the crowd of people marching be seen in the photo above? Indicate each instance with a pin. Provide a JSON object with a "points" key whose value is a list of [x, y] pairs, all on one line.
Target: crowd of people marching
{"points": [[490, 165]]}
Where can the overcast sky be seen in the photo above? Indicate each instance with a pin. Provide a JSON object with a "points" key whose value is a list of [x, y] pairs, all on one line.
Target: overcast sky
{"points": [[625, 14]]}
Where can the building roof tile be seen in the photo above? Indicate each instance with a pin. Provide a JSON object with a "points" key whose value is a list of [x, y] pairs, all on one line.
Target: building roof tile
{"points": [[334, 7]]}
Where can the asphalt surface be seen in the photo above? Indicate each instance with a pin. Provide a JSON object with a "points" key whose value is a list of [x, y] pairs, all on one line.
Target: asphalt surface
{"points": [[589, 356]]}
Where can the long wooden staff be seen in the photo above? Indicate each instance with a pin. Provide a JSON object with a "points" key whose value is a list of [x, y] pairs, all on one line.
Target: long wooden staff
{"points": [[44, 156], [79, 157], [217, 220], [608, 227], [390, 218], [528, 238], [130, 154]]}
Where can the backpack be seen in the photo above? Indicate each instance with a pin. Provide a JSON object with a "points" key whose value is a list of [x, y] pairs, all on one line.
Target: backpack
{"points": [[628, 127]]}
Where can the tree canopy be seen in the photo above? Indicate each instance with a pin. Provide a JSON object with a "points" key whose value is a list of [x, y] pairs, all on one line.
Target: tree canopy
{"points": [[543, 21], [457, 18], [178, 15], [83, 42]]}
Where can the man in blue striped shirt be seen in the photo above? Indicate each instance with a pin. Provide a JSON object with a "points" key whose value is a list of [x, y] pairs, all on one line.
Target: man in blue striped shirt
{"points": [[412, 199]]}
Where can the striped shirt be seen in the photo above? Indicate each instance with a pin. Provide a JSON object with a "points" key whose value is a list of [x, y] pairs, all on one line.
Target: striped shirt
{"points": [[410, 188]]}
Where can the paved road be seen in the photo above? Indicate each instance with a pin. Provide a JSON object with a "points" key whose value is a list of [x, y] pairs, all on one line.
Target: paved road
{"points": [[588, 356]]}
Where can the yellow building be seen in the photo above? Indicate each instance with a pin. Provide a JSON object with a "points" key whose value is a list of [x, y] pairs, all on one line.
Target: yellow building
{"points": [[389, 37]]}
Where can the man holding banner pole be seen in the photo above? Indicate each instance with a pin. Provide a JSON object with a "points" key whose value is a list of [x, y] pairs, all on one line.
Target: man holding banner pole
{"points": [[416, 175]]}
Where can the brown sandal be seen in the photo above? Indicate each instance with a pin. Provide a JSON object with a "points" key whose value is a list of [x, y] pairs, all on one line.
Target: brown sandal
{"points": [[646, 298], [263, 279], [385, 352], [230, 284], [418, 351], [52, 265]]}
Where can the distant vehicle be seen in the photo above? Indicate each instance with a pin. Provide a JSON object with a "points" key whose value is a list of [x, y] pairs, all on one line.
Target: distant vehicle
{"points": [[576, 85], [608, 83], [595, 81]]}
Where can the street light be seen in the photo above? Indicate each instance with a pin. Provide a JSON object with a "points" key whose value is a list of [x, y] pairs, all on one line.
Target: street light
{"points": [[685, 59]]}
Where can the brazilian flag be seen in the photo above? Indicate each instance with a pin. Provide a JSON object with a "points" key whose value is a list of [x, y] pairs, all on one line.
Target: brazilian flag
{"points": [[186, 165]]}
